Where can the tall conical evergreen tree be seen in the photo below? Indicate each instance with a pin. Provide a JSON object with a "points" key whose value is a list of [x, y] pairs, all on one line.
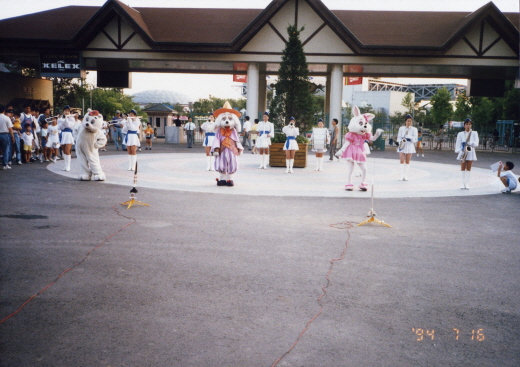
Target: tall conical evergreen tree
{"points": [[293, 97]]}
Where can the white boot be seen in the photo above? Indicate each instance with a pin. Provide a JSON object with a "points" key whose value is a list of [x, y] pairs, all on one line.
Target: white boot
{"points": [[66, 159], [69, 158], [262, 161], [317, 164], [130, 161], [406, 167], [288, 165], [211, 163], [64, 163], [266, 161], [321, 164], [208, 161], [463, 176], [466, 183], [291, 165], [402, 172]]}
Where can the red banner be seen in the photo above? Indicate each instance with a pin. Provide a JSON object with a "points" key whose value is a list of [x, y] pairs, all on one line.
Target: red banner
{"points": [[240, 78], [353, 80]]}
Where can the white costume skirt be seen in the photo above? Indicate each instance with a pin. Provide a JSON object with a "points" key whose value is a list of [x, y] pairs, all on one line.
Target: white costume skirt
{"points": [[208, 140], [409, 148], [131, 140], [263, 141], [472, 156], [66, 138], [293, 145]]}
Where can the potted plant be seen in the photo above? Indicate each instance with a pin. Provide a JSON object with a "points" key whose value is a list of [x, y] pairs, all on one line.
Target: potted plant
{"points": [[277, 154]]}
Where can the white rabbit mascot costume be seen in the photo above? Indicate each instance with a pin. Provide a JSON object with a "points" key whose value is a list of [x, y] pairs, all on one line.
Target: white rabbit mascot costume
{"points": [[226, 146], [355, 147]]}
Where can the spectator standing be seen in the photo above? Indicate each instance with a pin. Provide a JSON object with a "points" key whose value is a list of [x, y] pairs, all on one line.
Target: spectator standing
{"points": [[117, 130], [44, 149], [246, 133], [27, 118], [507, 138], [419, 143], [41, 120], [496, 135], [148, 133], [6, 136], [209, 129], [28, 143], [254, 136], [439, 137], [16, 147], [334, 132], [190, 130]]}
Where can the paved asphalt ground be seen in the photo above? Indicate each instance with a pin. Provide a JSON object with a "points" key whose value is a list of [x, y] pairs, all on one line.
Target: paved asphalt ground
{"points": [[225, 280]]}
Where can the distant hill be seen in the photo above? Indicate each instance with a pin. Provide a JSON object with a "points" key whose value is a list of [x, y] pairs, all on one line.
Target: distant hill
{"points": [[160, 96]]}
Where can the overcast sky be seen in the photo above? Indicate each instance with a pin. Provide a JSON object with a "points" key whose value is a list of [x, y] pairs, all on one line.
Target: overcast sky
{"points": [[200, 86]]}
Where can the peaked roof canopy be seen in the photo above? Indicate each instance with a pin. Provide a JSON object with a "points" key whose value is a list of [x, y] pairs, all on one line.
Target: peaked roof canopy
{"points": [[228, 30]]}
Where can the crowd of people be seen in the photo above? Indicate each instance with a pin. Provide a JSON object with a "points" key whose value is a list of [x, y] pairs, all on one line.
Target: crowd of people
{"points": [[29, 136], [33, 135]]}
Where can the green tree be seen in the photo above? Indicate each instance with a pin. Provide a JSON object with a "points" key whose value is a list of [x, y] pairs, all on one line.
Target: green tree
{"points": [[108, 101], [481, 113], [293, 97], [442, 109], [462, 107], [206, 105], [510, 109], [409, 103], [69, 91]]}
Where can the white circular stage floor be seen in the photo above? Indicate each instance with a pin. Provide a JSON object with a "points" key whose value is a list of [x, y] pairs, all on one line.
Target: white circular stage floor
{"points": [[186, 172]]}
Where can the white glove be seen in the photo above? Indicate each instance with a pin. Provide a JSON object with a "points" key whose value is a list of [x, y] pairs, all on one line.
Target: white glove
{"points": [[215, 154]]}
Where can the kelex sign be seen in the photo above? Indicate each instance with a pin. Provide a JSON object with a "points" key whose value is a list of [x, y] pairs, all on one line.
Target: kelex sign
{"points": [[65, 65]]}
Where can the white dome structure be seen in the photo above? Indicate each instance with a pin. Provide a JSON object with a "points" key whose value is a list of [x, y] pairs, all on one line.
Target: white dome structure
{"points": [[160, 96]]}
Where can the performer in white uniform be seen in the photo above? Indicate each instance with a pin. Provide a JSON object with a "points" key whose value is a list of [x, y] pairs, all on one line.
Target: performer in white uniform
{"points": [[131, 129], [467, 142], [407, 137], [66, 123], [319, 138], [209, 132], [290, 146], [263, 141]]}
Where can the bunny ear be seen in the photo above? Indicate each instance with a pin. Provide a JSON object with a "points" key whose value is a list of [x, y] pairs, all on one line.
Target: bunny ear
{"points": [[356, 111], [369, 116]]}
